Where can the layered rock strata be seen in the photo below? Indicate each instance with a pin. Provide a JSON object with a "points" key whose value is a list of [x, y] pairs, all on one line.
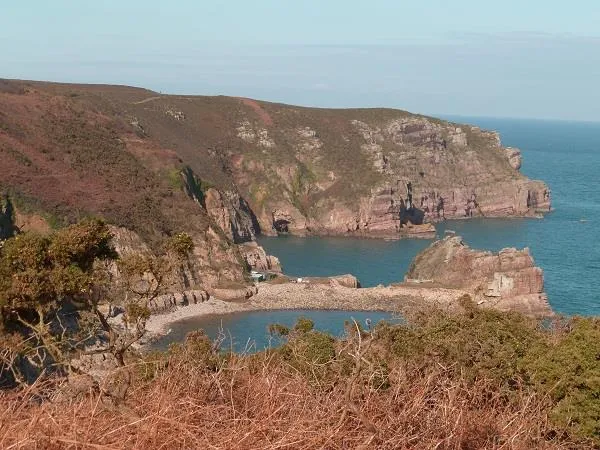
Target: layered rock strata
{"points": [[385, 176], [257, 166]]}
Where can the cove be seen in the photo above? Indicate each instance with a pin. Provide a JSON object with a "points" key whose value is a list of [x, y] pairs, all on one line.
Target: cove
{"points": [[248, 331], [565, 244]]}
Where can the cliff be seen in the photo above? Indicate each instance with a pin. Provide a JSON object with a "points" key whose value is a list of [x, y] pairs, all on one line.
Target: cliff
{"points": [[259, 167], [507, 280]]}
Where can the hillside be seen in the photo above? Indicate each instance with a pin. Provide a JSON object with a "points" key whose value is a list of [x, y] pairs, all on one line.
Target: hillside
{"points": [[118, 151], [65, 157]]}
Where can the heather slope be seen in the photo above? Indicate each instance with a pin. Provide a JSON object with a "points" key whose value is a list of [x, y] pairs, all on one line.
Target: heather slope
{"points": [[298, 169], [66, 156]]}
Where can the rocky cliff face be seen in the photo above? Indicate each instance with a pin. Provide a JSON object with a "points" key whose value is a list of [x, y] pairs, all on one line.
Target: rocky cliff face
{"points": [[212, 261], [376, 172], [507, 280], [232, 214]]}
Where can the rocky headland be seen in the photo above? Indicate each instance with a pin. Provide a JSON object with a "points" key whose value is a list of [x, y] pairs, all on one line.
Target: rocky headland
{"points": [[252, 167], [507, 280]]}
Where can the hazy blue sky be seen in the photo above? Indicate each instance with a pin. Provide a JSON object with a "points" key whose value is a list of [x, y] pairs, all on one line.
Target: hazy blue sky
{"points": [[517, 58]]}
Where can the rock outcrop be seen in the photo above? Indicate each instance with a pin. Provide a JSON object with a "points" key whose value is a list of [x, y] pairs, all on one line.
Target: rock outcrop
{"points": [[257, 258], [234, 293], [270, 167], [167, 302], [507, 280], [514, 157], [232, 214], [212, 260]]}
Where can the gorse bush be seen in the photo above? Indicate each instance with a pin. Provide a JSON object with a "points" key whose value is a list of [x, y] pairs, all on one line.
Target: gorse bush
{"points": [[53, 293], [480, 342], [42, 277], [567, 369], [558, 362]]}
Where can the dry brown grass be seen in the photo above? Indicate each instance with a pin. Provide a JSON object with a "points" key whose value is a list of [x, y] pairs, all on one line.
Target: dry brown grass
{"points": [[260, 402]]}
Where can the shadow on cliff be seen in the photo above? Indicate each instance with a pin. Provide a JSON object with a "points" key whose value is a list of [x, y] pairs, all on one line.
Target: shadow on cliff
{"points": [[413, 215]]}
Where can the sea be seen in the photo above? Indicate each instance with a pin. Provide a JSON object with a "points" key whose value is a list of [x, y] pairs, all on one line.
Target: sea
{"points": [[565, 243]]}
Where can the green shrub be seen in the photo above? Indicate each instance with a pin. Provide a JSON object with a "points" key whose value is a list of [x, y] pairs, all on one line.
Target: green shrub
{"points": [[309, 352], [175, 178], [276, 329], [477, 343], [568, 370], [304, 325]]}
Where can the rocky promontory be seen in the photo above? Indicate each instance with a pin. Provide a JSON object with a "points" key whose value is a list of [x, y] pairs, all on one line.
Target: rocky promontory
{"points": [[507, 280], [255, 167], [439, 276]]}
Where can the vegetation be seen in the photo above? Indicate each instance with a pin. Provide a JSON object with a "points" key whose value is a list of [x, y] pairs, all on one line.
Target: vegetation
{"points": [[53, 296], [475, 379], [41, 278], [470, 380]]}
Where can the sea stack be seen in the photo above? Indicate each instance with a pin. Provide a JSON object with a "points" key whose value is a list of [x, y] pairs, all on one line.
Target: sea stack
{"points": [[507, 280]]}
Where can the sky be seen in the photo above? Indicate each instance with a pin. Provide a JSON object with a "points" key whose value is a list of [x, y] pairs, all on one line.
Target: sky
{"points": [[508, 58]]}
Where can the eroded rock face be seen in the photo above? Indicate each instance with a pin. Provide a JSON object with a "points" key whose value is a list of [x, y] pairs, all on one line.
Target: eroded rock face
{"points": [[232, 214], [167, 302], [507, 280], [257, 258], [288, 220], [514, 157], [211, 261], [334, 173]]}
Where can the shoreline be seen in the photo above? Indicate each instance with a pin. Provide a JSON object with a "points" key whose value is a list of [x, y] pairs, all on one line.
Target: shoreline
{"points": [[299, 296], [399, 235], [158, 325]]}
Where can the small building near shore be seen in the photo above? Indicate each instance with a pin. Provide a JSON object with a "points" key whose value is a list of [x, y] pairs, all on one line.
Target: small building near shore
{"points": [[257, 276]]}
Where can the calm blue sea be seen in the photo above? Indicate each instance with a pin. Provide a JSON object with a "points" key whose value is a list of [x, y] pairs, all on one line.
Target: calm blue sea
{"points": [[248, 331], [566, 243]]}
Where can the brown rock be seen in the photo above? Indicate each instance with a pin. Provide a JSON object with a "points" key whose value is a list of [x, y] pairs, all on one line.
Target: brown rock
{"points": [[231, 213], [514, 157], [455, 172], [346, 281], [507, 280], [257, 258], [212, 259], [230, 294]]}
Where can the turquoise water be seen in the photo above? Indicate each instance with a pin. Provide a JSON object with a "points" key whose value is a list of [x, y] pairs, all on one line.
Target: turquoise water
{"points": [[566, 243], [247, 331]]}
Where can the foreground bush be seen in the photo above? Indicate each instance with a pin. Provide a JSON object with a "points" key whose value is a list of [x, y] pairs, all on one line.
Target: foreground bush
{"points": [[479, 379]]}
